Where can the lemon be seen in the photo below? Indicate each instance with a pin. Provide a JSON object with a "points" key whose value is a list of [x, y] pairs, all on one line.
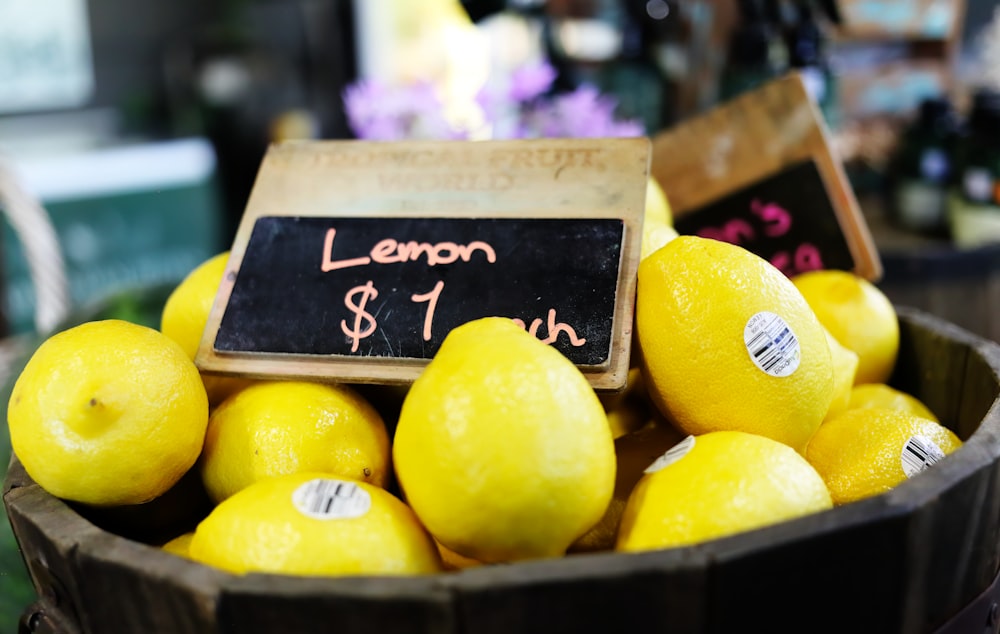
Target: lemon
{"points": [[715, 485], [502, 447], [108, 413], [450, 560], [845, 366], [314, 524], [657, 223], [180, 545], [654, 236], [657, 209], [728, 343], [278, 427], [882, 395], [629, 409], [864, 452], [185, 314], [858, 315], [633, 453]]}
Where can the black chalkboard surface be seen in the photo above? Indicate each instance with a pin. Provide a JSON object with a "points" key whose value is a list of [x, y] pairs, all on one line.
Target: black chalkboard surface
{"points": [[786, 218], [392, 288]]}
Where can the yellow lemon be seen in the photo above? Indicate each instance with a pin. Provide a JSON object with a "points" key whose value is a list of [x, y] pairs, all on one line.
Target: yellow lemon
{"points": [[728, 343], [629, 409], [108, 413], [180, 545], [845, 366], [277, 427], [502, 448], [657, 208], [882, 395], [715, 485], [185, 314], [451, 560], [654, 236], [858, 315], [657, 223], [314, 524], [864, 452], [633, 452]]}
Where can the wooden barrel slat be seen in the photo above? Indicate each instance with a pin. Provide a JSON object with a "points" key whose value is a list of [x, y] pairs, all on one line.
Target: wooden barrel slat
{"points": [[177, 597], [49, 535], [377, 605], [953, 561], [820, 571], [659, 592], [905, 561], [931, 365]]}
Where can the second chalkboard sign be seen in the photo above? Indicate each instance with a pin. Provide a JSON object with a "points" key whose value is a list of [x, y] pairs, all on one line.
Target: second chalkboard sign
{"points": [[786, 219], [759, 171], [392, 288]]}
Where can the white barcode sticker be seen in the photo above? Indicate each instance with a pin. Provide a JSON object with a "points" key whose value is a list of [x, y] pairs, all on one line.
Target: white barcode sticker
{"points": [[772, 345], [918, 453], [672, 455], [328, 499]]}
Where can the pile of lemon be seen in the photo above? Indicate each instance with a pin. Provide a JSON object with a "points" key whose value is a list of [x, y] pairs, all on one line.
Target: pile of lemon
{"points": [[753, 399]]}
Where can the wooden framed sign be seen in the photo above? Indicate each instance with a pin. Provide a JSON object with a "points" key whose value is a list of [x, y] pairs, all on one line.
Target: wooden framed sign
{"points": [[758, 171], [354, 259]]}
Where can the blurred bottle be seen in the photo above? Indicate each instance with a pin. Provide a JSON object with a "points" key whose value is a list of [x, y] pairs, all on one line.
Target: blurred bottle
{"points": [[922, 169], [806, 44], [974, 203], [753, 57], [614, 45]]}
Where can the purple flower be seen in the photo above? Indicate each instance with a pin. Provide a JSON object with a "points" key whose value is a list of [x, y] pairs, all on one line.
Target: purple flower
{"points": [[530, 82], [585, 112], [382, 113], [515, 108]]}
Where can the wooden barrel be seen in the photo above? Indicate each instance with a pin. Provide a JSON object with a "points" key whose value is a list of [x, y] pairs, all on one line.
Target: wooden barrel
{"points": [[959, 285], [921, 558]]}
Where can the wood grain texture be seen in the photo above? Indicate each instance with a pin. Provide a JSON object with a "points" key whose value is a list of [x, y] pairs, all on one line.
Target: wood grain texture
{"points": [[905, 561]]}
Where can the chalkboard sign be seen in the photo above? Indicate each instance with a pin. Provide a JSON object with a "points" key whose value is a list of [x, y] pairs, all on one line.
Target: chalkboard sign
{"points": [[392, 288], [786, 219], [354, 259], [758, 171]]}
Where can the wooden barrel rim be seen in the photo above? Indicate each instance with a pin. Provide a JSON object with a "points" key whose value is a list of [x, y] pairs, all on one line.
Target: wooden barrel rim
{"points": [[980, 450]]}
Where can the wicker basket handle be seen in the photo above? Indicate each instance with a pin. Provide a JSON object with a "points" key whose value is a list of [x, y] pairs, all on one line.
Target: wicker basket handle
{"points": [[38, 237]]}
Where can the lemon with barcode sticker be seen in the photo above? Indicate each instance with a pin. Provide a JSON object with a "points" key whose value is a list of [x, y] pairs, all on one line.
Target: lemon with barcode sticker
{"points": [[868, 451], [314, 524], [718, 484], [859, 315], [728, 343], [108, 413], [185, 315], [502, 447], [276, 427]]}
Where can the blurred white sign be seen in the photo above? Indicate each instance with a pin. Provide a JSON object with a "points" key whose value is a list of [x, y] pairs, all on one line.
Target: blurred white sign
{"points": [[45, 58]]}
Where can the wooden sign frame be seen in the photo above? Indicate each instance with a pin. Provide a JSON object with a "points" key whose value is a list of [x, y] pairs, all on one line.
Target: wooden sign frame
{"points": [[751, 138], [525, 179]]}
